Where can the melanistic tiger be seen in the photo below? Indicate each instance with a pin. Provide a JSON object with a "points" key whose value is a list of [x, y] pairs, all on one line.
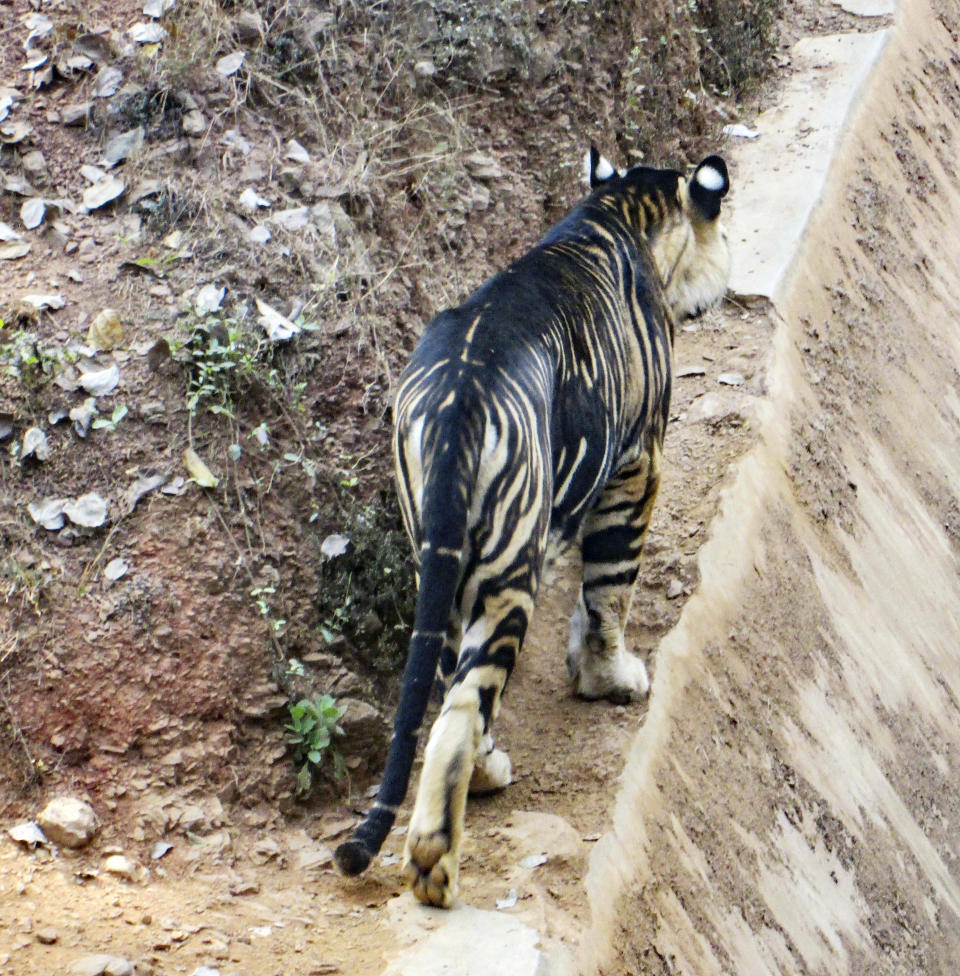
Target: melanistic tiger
{"points": [[530, 417]]}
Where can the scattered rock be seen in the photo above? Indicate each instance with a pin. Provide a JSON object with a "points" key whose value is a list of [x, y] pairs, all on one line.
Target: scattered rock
{"points": [[101, 964], [29, 834], [334, 545], [69, 821], [115, 569], [147, 33], [674, 589], [120, 145], [731, 379], [101, 382], [47, 936], [77, 113], [48, 513], [35, 443], [278, 327], [103, 192], [107, 82], [482, 166], [122, 866]]}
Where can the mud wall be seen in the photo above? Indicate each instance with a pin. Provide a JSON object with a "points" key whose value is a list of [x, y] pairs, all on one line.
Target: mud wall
{"points": [[792, 804]]}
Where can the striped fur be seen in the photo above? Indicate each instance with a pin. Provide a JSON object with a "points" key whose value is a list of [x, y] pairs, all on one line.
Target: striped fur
{"points": [[534, 415]]}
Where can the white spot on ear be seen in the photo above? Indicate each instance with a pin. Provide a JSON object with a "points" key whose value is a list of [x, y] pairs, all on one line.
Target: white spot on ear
{"points": [[604, 169], [709, 178]]}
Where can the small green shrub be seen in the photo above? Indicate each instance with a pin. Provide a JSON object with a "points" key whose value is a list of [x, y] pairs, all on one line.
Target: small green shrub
{"points": [[312, 727]]}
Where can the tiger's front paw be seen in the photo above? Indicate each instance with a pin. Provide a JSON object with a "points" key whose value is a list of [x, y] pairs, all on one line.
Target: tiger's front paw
{"points": [[431, 868]]}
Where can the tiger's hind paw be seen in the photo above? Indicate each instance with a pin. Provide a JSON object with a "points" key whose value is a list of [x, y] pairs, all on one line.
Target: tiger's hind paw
{"points": [[431, 869], [491, 772], [620, 679]]}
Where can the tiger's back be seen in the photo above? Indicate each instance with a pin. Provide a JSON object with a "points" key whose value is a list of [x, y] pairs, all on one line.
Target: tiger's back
{"points": [[537, 408]]}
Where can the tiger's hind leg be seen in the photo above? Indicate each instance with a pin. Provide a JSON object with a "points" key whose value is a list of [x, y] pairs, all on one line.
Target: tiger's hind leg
{"points": [[459, 755], [597, 660]]}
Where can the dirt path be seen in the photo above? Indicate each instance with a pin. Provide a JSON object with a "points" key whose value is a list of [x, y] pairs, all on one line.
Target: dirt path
{"points": [[742, 755]]}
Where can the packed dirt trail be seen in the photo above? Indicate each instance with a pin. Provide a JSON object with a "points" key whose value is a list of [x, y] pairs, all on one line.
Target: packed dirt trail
{"points": [[786, 801]]}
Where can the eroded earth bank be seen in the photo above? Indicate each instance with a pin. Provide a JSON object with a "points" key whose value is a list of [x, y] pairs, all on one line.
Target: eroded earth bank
{"points": [[791, 803]]}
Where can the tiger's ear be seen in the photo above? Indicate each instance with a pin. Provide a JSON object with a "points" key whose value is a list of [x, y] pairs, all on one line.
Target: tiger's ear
{"points": [[597, 169], [708, 186]]}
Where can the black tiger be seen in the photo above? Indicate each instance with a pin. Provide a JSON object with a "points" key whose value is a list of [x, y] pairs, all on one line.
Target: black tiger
{"points": [[532, 416]]}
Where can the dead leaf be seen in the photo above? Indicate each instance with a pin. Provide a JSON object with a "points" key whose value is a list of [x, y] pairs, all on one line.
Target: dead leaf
{"points": [[200, 473], [334, 545], [106, 330], [48, 513], [229, 64], [35, 443], [89, 510], [101, 382], [278, 327]]}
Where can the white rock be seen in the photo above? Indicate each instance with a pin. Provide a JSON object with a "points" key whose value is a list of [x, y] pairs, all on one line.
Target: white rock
{"points": [[731, 379], [32, 211], [103, 192], [122, 866], [740, 131], [157, 8], [68, 821], [92, 174], [45, 301], [147, 33], [259, 234], [334, 545], [115, 569], [250, 200], [83, 415], [107, 82], [101, 964], [674, 589], [296, 218], [29, 834]]}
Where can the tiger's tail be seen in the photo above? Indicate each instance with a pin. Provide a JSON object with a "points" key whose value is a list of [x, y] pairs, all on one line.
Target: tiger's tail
{"points": [[444, 521]]}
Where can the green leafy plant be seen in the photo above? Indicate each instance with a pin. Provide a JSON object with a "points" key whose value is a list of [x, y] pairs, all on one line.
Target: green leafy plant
{"points": [[312, 727], [110, 423]]}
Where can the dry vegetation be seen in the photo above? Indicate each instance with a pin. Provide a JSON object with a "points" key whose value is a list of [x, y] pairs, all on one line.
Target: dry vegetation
{"points": [[429, 143]]}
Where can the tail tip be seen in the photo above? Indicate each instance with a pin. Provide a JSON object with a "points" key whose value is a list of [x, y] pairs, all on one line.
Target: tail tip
{"points": [[352, 858]]}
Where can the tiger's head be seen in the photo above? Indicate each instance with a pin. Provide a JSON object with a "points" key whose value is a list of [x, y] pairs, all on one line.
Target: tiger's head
{"points": [[680, 219]]}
